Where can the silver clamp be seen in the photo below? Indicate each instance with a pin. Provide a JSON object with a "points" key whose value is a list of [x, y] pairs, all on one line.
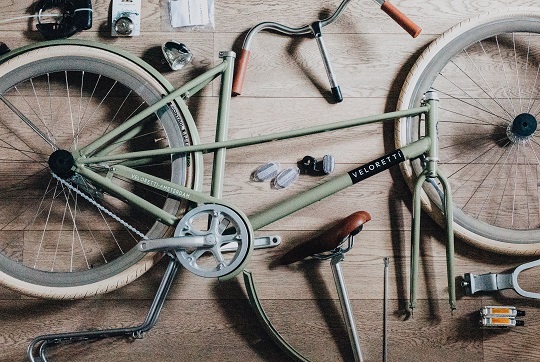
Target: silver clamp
{"points": [[489, 282]]}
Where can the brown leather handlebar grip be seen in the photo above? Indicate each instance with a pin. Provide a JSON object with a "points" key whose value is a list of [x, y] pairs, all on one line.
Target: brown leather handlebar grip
{"points": [[328, 240], [240, 73], [402, 19]]}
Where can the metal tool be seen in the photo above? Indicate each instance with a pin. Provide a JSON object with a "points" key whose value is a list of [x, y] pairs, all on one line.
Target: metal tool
{"points": [[489, 282]]}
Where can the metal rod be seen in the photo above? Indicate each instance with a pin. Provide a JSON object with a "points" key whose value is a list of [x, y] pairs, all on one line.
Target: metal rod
{"points": [[317, 32], [28, 122], [326, 61], [449, 213], [139, 117], [415, 245], [346, 306], [287, 30], [385, 310], [255, 140], [222, 126]]}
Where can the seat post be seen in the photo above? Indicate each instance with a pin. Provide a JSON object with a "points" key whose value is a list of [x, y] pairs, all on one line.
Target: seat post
{"points": [[346, 305]]}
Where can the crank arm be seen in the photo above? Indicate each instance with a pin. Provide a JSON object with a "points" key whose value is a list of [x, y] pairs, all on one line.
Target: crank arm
{"points": [[166, 244], [187, 242], [489, 282], [262, 242]]}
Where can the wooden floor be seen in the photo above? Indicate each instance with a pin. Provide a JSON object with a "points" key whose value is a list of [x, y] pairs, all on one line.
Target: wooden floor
{"points": [[204, 320]]}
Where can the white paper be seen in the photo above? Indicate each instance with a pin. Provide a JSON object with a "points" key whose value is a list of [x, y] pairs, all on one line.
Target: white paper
{"points": [[189, 13]]}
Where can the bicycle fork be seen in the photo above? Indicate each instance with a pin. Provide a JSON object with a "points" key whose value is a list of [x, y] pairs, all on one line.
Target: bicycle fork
{"points": [[428, 175]]}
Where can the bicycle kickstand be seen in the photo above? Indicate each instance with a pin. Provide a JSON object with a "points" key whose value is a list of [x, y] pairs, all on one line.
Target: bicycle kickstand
{"points": [[40, 344]]}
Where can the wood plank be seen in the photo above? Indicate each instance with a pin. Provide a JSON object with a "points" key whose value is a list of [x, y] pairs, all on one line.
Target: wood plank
{"points": [[280, 67], [286, 89]]}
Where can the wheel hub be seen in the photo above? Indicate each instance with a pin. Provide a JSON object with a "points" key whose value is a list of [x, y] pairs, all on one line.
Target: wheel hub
{"points": [[522, 128], [61, 162]]}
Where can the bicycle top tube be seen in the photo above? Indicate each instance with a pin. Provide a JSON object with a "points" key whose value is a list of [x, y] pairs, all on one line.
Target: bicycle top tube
{"points": [[209, 147]]}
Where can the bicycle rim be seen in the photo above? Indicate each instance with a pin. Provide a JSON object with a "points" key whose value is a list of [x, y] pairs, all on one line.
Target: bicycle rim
{"points": [[486, 71], [54, 241]]}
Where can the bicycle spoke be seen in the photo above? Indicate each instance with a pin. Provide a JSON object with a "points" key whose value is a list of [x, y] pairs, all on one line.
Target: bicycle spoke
{"points": [[78, 128], [91, 97], [492, 95], [466, 102], [473, 194], [28, 122], [517, 73], [502, 167], [85, 122], [515, 186], [38, 116], [505, 77], [470, 98], [479, 122], [534, 91], [113, 119], [46, 223]]}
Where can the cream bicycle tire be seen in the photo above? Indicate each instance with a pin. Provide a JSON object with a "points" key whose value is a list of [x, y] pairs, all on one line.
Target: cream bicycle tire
{"points": [[44, 224], [485, 72]]}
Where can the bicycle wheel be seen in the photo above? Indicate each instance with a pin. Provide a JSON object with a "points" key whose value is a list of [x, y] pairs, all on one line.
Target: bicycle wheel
{"points": [[55, 242], [486, 71]]}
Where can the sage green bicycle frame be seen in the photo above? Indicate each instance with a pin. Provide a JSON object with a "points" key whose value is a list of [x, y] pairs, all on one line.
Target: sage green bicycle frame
{"points": [[99, 152]]}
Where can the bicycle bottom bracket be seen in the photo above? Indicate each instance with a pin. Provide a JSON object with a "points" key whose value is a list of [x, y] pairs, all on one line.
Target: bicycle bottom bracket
{"points": [[61, 162], [219, 226]]}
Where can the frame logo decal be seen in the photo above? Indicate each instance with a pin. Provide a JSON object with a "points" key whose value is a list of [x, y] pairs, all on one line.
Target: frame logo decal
{"points": [[374, 167]]}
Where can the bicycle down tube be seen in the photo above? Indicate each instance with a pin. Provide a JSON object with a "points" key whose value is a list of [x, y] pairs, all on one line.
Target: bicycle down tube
{"points": [[99, 152]]}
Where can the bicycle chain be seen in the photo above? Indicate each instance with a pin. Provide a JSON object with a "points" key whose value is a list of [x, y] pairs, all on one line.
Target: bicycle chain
{"points": [[99, 206]]}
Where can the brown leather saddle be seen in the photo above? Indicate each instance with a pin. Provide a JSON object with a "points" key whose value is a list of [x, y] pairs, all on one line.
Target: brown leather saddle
{"points": [[329, 239]]}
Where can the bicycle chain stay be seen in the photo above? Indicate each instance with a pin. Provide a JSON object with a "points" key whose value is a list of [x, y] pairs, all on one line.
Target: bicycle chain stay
{"points": [[99, 206]]}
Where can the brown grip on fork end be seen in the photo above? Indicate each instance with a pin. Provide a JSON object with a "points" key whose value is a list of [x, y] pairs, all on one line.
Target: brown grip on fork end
{"points": [[402, 19], [240, 73], [328, 240]]}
